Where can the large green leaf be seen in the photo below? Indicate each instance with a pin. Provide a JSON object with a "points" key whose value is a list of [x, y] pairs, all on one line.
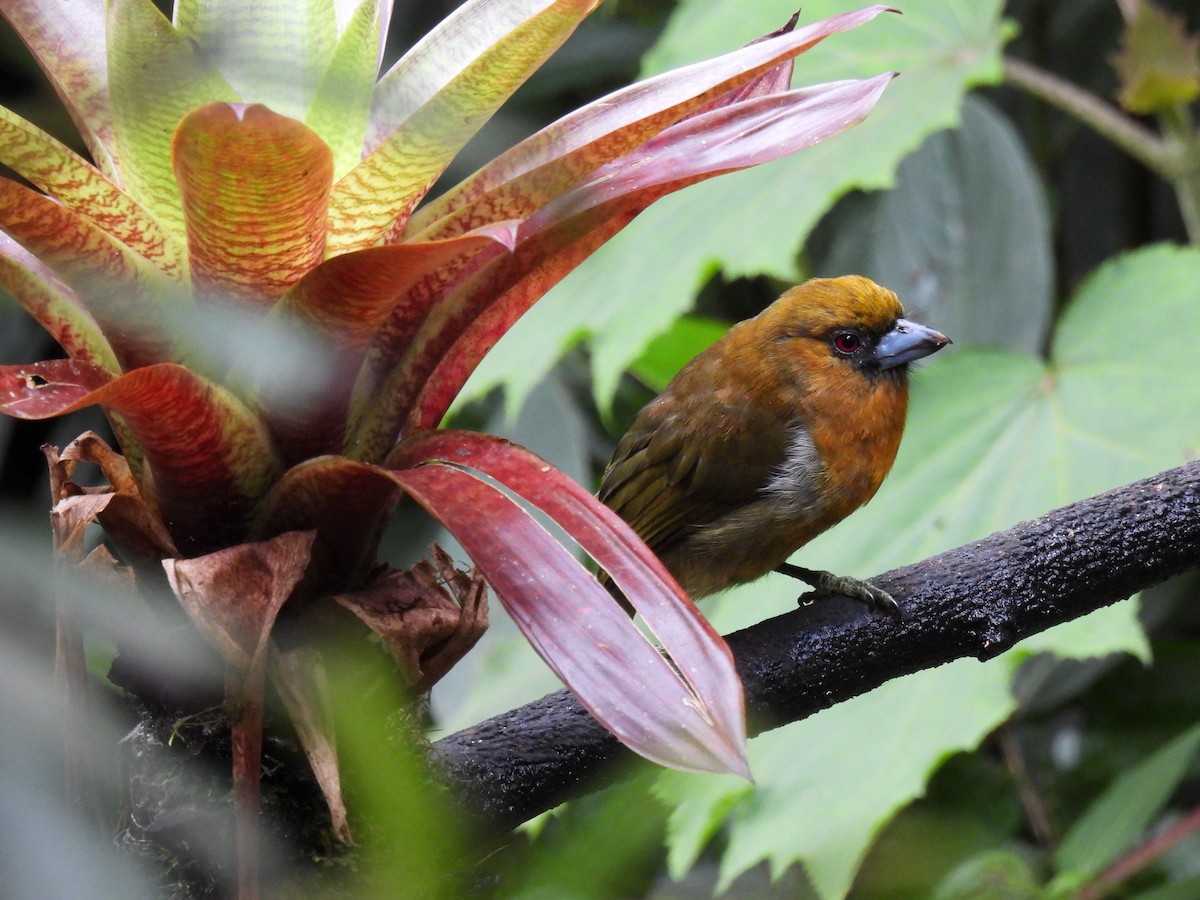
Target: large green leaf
{"points": [[754, 222], [963, 238], [826, 785], [993, 438]]}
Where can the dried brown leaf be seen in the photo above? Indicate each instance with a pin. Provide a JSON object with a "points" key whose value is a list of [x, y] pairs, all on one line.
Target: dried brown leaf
{"points": [[429, 616]]}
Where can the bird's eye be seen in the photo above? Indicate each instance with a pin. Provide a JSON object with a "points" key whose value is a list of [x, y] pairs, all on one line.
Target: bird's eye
{"points": [[846, 342]]}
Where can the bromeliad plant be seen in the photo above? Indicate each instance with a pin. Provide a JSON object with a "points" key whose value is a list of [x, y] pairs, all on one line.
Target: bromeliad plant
{"points": [[242, 280]]}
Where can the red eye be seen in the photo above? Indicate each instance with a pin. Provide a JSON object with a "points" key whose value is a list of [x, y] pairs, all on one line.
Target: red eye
{"points": [[846, 343]]}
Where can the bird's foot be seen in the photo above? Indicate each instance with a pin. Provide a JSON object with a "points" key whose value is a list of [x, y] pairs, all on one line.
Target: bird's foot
{"points": [[825, 584]]}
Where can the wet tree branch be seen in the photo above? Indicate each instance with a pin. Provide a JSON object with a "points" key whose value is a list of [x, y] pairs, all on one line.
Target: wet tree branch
{"points": [[977, 600]]}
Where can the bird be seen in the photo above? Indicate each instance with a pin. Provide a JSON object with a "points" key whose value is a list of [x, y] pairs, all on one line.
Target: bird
{"points": [[770, 436]]}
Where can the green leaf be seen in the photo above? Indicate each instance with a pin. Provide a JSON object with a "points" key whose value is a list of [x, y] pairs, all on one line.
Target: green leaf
{"points": [[1126, 809], [995, 875], [1159, 62], [434, 100], [826, 784], [67, 38], [341, 105], [270, 51], [754, 222], [672, 350], [963, 238], [147, 109]]}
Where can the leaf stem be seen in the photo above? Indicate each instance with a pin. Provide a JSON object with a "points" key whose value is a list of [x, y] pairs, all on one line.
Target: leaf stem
{"points": [[1141, 856], [1175, 157], [1034, 805], [1184, 140]]}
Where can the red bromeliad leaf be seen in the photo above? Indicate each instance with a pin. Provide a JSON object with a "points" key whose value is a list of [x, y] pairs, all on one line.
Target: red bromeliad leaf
{"points": [[694, 646], [435, 99], [559, 236], [58, 171], [341, 305], [67, 38], [577, 628], [142, 44], [46, 389], [345, 503], [210, 458], [542, 167], [54, 305], [254, 186], [129, 298]]}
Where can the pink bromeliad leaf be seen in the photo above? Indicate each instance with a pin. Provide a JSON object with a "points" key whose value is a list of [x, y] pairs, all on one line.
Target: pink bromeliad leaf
{"points": [[686, 713], [474, 314], [542, 167], [210, 457], [435, 99], [254, 187]]}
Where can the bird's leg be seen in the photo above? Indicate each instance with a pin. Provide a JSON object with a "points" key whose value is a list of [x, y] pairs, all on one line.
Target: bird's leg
{"points": [[826, 583]]}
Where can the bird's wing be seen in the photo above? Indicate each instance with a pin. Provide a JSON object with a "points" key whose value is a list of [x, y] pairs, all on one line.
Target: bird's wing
{"points": [[674, 473]]}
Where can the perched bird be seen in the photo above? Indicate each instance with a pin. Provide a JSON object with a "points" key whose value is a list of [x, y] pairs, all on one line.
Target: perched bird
{"points": [[776, 432]]}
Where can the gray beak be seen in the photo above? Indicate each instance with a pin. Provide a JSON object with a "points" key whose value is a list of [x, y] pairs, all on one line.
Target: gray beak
{"points": [[907, 342]]}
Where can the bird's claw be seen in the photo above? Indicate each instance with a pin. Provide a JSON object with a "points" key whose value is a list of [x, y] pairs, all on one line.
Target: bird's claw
{"points": [[825, 584]]}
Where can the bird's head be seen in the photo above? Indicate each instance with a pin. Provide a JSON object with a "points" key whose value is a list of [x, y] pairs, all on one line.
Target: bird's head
{"points": [[829, 323]]}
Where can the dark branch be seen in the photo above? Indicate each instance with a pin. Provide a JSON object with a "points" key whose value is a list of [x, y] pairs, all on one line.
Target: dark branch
{"points": [[977, 600]]}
